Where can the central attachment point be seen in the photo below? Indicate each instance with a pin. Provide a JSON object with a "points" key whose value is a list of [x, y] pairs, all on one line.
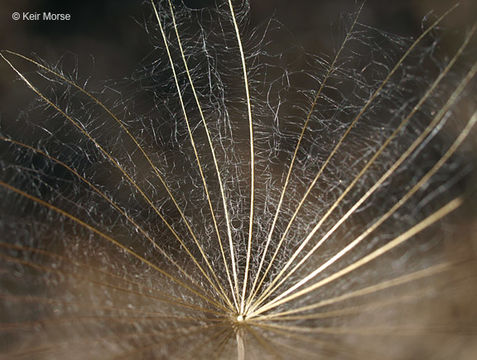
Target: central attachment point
{"points": [[240, 318]]}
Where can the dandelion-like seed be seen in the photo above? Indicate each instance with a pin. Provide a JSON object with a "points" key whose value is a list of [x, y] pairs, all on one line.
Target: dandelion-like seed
{"points": [[226, 204]]}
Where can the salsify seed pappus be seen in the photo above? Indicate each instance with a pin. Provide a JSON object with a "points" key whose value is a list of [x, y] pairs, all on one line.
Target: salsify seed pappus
{"points": [[238, 197]]}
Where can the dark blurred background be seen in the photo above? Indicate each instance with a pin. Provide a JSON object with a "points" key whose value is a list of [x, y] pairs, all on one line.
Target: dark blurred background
{"points": [[107, 38]]}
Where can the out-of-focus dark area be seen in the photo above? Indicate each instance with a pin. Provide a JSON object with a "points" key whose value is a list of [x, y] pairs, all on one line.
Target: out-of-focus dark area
{"points": [[108, 41]]}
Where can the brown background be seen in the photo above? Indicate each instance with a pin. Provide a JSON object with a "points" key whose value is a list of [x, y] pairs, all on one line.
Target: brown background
{"points": [[107, 38]]}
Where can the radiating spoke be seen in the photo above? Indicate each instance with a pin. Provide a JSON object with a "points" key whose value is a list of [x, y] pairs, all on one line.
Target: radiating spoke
{"points": [[164, 298], [116, 278], [417, 275], [69, 320], [252, 157], [115, 310], [410, 330], [345, 311]]}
